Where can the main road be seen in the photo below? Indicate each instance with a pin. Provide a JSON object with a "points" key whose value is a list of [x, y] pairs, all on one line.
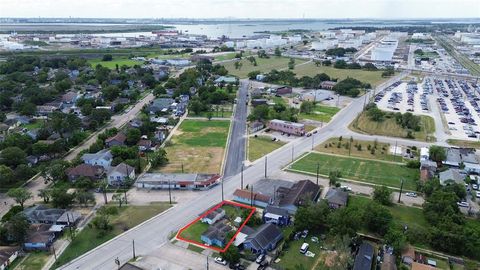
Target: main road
{"points": [[154, 233], [237, 143]]}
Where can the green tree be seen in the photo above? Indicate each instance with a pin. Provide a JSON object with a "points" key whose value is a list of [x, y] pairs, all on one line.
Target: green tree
{"points": [[17, 228], [312, 217], [437, 153], [377, 218], [6, 175], [45, 194], [107, 57], [159, 158], [61, 198], [133, 136], [333, 177], [307, 107], [12, 156], [278, 52], [291, 63], [396, 239], [20, 195], [383, 195], [231, 255]]}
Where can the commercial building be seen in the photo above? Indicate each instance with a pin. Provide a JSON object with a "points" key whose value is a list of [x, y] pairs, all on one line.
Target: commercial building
{"points": [[287, 127], [384, 51], [192, 181]]}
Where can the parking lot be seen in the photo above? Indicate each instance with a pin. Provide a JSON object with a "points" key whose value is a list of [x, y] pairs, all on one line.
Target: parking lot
{"points": [[457, 100]]}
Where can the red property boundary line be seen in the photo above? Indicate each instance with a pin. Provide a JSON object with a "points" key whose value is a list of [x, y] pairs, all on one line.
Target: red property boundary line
{"points": [[253, 209]]}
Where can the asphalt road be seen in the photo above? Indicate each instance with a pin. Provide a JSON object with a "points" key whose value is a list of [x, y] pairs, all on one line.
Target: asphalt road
{"points": [[238, 140], [154, 233]]}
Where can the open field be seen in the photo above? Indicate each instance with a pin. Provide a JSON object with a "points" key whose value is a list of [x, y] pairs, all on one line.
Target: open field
{"points": [[112, 64], [197, 146], [358, 148], [90, 237], [389, 127], [370, 171], [310, 69], [34, 261], [263, 65], [225, 56], [216, 112], [261, 146], [320, 113]]}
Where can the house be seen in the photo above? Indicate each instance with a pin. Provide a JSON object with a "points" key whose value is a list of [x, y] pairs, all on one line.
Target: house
{"points": [[428, 169], [68, 218], [135, 123], [160, 105], [45, 110], [328, 85], [282, 90], [216, 234], [31, 160], [297, 195], [264, 239], [8, 255], [259, 101], [213, 216], [102, 158], [39, 237], [117, 140], [69, 97], [292, 128], [388, 262], [451, 176], [242, 235], [144, 145], [256, 126], [117, 175], [457, 156], [408, 255], [93, 172], [364, 258], [251, 198], [160, 135], [192, 181], [225, 79], [41, 214], [421, 266], [336, 198], [276, 215]]}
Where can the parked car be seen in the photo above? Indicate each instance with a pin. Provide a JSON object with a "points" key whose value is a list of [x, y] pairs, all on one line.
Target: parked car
{"points": [[260, 258], [219, 260], [411, 194], [478, 194], [475, 186], [346, 188], [463, 204], [263, 265], [238, 266], [304, 234]]}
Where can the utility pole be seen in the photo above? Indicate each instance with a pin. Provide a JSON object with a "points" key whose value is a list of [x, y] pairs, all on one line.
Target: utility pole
{"points": [[169, 192], [313, 136], [241, 177], [182, 167], [222, 189], [395, 154], [207, 262], [251, 197], [54, 252], [318, 169], [400, 194], [293, 151], [265, 167], [133, 248]]}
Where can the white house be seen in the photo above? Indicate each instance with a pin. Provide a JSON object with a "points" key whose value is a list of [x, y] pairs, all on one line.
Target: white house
{"points": [[7, 256], [101, 158], [117, 175]]}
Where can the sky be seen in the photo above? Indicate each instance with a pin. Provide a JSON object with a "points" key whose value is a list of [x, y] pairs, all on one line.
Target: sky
{"points": [[320, 9]]}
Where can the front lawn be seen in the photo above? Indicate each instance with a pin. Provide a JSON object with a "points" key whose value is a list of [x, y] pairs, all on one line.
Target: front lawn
{"points": [[90, 237], [260, 146], [35, 260], [197, 147], [370, 171], [195, 231], [320, 113]]}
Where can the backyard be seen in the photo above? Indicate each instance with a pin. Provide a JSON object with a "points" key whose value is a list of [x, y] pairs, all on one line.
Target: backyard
{"points": [[33, 261], [260, 146], [389, 127], [310, 69], [197, 146], [363, 170], [264, 65], [90, 237], [320, 113]]}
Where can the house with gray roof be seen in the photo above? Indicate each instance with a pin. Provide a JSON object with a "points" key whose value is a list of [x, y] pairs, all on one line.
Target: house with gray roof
{"points": [[117, 175], [451, 176], [456, 156], [336, 198], [276, 215], [364, 258], [101, 158], [264, 239], [44, 215], [295, 196], [213, 216], [160, 105], [216, 234]]}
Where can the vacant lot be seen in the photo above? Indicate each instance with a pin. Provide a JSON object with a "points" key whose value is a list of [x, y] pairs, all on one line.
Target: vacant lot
{"points": [[34, 261], [116, 61], [90, 237], [358, 148], [263, 65], [218, 111], [261, 146], [372, 77], [197, 147], [389, 127], [370, 171], [320, 113]]}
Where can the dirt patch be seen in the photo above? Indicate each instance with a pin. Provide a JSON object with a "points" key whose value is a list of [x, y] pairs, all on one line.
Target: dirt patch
{"points": [[193, 159]]}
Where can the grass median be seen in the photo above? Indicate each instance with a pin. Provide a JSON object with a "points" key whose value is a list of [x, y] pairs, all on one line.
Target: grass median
{"points": [[362, 170], [90, 237]]}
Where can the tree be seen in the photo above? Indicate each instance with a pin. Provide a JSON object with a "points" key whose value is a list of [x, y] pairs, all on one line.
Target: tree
{"points": [[345, 221], [343, 260], [278, 52], [334, 177], [383, 195], [45, 194], [291, 63], [85, 197], [396, 239], [307, 107], [119, 198], [56, 171], [159, 158], [196, 106], [437, 153], [20, 195], [111, 92], [133, 136], [6, 175], [61, 198], [231, 255], [159, 90], [17, 228], [377, 218], [107, 57], [252, 75], [260, 113], [12, 156], [312, 217]]}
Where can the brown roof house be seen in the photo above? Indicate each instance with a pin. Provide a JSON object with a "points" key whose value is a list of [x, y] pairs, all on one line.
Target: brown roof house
{"points": [[93, 172], [297, 195], [118, 139]]}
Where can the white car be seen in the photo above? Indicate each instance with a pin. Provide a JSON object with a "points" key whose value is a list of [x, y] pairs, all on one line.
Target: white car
{"points": [[475, 186], [221, 261], [463, 204], [478, 194], [411, 194], [346, 188]]}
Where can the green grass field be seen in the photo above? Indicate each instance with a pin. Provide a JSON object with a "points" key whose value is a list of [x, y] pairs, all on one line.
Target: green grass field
{"points": [[389, 127], [89, 237], [34, 124], [372, 77], [195, 231], [292, 257], [34, 261], [261, 146], [197, 146], [112, 64], [263, 65], [224, 56], [358, 148], [369, 171], [321, 113]]}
